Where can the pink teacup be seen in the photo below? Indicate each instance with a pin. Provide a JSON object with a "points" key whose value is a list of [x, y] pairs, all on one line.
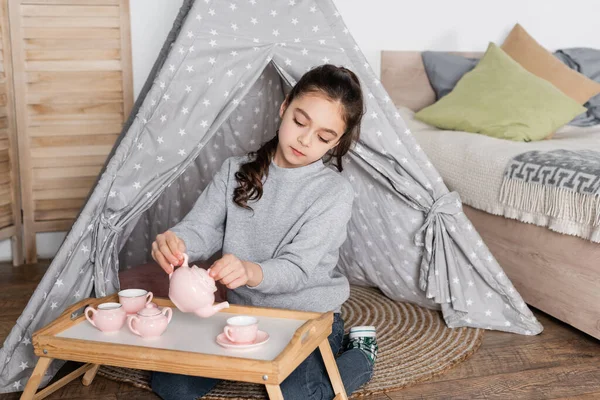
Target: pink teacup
{"points": [[241, 329], [134, 300], [109, 317]]}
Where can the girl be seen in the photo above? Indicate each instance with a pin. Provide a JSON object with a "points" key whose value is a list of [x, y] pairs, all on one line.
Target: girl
{"points": [[280, 216]]}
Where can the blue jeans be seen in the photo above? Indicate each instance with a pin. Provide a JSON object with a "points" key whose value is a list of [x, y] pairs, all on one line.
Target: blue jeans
{"points": [[308, 382]]}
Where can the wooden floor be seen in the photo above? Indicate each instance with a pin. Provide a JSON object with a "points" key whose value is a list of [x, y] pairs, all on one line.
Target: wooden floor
{"points": [[561, 363]]}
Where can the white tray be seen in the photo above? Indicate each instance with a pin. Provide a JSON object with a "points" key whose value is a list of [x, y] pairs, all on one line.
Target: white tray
{"points": [[188, 332]]}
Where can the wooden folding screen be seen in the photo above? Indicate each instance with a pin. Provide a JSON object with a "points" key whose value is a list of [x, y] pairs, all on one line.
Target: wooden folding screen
{"points": [[72, 93], [10, 197]]}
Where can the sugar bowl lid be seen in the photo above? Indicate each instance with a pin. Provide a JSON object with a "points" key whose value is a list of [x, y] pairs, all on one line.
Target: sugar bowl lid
{"points": [[149, 311]]}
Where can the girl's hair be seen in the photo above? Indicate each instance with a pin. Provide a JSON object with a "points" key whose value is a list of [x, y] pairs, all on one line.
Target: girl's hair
{"points": [[337, 84]]}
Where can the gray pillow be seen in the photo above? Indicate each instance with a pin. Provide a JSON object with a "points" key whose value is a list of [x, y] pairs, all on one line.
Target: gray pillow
{"points": [[586, 61], [444, 70]]}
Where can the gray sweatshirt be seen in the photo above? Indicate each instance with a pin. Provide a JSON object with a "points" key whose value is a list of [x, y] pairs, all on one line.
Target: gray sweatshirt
{"points": [[294, 234]]}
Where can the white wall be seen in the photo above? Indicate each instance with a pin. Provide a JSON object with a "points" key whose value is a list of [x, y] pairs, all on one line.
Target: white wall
{"points": [[467, 25], [151, 21], [464, 25]]}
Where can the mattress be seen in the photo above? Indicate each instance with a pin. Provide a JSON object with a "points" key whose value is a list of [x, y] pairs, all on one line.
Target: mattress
{"points": [[473, 165]]}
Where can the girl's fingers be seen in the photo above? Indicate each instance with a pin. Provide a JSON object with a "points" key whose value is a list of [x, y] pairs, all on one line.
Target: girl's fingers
{"points": [[173, 244], [162, 261], [222, 272], [181, 246], [216, 267], [236, 283], [232, 276], [166, 252]]}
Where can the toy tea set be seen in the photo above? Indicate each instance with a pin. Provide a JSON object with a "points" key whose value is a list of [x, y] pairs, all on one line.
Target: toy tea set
{"points": [[192, 290]]}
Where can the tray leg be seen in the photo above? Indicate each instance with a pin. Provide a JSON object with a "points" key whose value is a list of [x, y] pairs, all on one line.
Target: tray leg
{"points": [[332, 370], [274, 392], [48, 390], [90, 375], [35, 378]]}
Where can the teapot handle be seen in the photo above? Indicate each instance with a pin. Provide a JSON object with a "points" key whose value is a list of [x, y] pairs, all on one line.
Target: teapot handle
{"points": [[185, 264]]}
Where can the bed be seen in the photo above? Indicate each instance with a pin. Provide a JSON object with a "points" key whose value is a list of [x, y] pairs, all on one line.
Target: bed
{"points": [[555, 266]]}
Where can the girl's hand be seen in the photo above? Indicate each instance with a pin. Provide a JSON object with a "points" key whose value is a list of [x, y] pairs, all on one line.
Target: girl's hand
{"points": [[167, 250], [233, 272]]}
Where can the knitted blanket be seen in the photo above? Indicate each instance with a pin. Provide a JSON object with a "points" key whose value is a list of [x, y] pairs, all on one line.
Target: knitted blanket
{"points": [[561, 183], [474, 165]]}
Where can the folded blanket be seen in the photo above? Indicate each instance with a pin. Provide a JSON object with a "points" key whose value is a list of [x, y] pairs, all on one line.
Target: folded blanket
{"points": [[561, 183], [586, 61]]}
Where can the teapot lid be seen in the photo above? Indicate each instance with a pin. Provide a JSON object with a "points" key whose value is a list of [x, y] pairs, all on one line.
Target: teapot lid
{"points": [[149, 311], [204, 277]]}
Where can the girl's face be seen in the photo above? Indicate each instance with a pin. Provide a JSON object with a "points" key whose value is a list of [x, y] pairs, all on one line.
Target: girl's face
{"points": [[310, 126]]}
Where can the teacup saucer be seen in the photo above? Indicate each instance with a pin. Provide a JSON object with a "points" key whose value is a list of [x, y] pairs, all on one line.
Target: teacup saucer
{"points": [[261, 338]]}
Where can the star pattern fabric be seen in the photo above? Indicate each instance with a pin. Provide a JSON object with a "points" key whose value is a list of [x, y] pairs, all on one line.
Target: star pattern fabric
{"points": [[216, 93]]}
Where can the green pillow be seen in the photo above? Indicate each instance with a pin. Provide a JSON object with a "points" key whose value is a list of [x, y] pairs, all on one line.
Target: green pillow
{"points": [[500, 98]]}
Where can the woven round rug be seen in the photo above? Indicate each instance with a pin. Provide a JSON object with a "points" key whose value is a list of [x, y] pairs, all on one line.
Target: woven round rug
{"points": [[414, 345]]}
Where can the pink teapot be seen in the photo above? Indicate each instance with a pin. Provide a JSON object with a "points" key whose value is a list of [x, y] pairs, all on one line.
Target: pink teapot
{"points": [[192, 289]]}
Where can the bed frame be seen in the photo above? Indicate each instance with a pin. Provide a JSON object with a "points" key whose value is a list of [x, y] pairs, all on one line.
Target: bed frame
{"points": [[558, 274]]}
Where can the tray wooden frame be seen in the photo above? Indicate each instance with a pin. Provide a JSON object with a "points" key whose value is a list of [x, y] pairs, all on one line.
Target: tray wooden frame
{"points": [[308, 337]]}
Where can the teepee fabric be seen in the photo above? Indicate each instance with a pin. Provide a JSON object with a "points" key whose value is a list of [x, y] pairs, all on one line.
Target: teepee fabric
{"points": [[215, 92]]}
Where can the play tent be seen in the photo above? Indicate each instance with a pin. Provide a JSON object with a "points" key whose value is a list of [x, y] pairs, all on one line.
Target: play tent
{"points": [[214, 92]]}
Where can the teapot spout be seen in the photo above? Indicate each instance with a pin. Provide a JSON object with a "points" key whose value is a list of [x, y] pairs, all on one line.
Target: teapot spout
{"points": [[206, 312]]}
